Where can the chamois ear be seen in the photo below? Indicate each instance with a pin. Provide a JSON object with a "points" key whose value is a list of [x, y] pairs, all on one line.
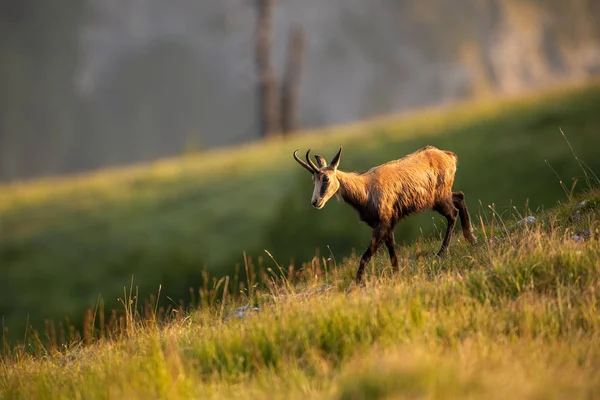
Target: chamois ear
{"points": [[320, 161], [335, 162]]}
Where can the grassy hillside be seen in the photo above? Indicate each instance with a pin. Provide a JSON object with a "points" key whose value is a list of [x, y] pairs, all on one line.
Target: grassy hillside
{"points": [[65, 241], [514, 317]]}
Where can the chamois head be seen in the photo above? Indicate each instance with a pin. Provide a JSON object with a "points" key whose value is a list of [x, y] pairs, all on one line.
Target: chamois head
{"points": [[323, 175]]}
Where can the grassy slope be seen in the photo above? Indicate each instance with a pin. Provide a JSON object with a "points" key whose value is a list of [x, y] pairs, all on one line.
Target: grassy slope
{"points": [[64, 241], [515, 318]]}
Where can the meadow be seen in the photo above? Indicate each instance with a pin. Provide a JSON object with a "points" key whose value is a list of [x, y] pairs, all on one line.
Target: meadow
{"points": [[515, 316], [65, 242]]}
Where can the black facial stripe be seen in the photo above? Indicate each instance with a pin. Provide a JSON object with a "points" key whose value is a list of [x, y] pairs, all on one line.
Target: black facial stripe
{"points": [[324, 186]]}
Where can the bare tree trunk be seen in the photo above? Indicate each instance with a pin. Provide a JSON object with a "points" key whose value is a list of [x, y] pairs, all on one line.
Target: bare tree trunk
{"points": [[291, 81], [267, 83]]}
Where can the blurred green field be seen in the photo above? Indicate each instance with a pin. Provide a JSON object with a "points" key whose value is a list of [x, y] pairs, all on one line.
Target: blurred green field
{"points": [[65, 241]]}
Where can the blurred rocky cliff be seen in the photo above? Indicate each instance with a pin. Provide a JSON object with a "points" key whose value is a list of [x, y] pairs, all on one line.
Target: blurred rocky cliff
{"points": [[92, 83]]}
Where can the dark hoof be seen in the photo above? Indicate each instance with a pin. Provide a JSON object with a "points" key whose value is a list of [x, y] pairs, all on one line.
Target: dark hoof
{"points": [[359, 282]]}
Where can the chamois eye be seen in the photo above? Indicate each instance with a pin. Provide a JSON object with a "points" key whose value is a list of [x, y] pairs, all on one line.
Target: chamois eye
{"points": [[325, 179]]}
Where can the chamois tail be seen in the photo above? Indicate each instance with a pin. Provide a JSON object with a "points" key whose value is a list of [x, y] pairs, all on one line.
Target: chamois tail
{"points": [[452, 154]]}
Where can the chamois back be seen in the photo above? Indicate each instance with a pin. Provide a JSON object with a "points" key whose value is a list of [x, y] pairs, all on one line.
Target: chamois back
{"points": [[409, 185]]}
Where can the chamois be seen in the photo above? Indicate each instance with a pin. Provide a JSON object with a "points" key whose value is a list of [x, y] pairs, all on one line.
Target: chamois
{"points": [[385, 194]]}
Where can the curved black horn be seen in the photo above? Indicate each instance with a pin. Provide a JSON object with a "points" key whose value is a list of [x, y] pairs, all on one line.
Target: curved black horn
{"points": [[312, 164], [305, 165]]}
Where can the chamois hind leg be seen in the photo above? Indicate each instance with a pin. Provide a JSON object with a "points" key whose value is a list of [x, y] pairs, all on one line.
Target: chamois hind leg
{"points": [[448, 210], [390, 243], [376, 238], [458, 198]]}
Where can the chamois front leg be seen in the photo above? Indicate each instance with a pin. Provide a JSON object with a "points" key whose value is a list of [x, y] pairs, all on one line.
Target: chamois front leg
{"points": [[378, 236]]}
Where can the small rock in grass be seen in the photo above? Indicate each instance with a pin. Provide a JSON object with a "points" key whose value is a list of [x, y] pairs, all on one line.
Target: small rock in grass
{"points": [[575, 217], [495, 239], [581, 208], [241, 312], [527, 220], [582, 204], [581, 236]]}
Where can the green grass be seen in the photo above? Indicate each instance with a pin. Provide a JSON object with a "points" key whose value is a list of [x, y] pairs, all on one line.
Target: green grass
{"points": [[514, 318], [65, 241]]}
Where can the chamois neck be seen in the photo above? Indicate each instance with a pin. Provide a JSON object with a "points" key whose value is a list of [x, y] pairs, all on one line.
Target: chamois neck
{"points": [[352, 188]]}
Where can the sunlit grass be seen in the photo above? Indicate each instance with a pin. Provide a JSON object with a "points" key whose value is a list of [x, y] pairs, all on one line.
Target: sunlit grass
{"points": [[517, 317]]}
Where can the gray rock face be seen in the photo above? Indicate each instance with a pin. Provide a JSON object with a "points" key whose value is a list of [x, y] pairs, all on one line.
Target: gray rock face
{"points": [[129, 81], [363, 58]]}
